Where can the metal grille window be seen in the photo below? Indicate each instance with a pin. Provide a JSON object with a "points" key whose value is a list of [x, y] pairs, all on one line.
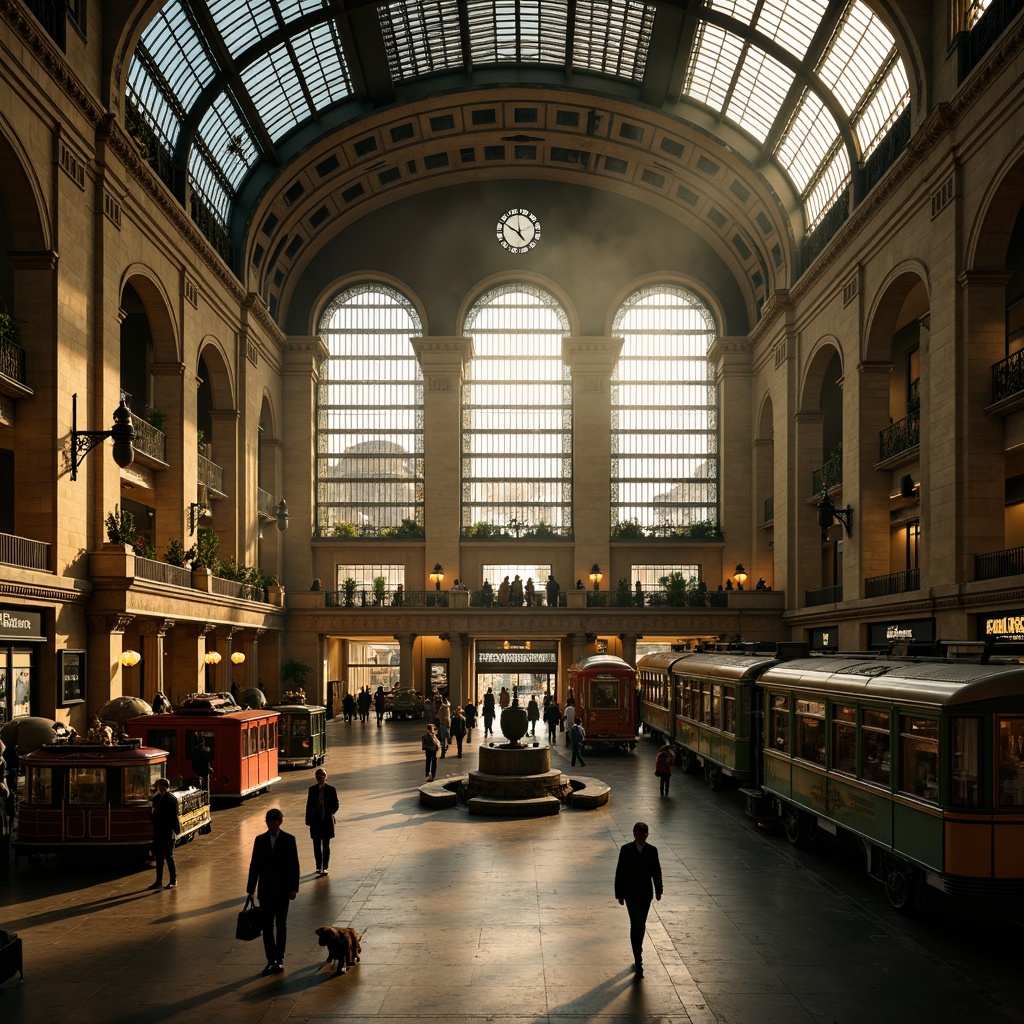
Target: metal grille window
{"points": [[517, 416], [369, 464], [664, 414], [371, 665], [365, 573], [650, 576]]}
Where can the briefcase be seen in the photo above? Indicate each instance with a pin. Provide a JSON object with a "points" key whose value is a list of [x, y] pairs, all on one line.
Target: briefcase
{"points": [[250, 925]]}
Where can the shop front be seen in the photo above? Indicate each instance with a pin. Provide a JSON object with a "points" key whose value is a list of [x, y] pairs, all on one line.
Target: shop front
{"points": [[525, 668], [21, 634]]}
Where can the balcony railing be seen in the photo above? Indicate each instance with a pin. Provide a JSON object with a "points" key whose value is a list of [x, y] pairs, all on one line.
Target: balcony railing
{"points": [[1008, 377], [830, 475], [233, 588], [973, 45], [893, 583], [148, 439], [827, 595], [161, 572], [12, 360], [211, 476], [654, 598], [899, 437], [265, 503], [996, 564], [769, 510], [20, 551]]}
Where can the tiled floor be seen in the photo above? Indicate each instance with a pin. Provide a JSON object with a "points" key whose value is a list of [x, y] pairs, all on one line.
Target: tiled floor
{"points": [[496, 920]]}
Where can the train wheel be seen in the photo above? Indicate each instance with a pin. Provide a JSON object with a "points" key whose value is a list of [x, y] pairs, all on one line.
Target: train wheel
{"points": [[794, 824], [715, 778], [685, 761], [900, 880]]}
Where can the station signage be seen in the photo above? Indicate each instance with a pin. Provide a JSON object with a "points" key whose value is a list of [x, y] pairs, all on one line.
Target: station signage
{"points": [[517, 655], [882, 634], [18, 624], [1001, 625], [824, 638]]}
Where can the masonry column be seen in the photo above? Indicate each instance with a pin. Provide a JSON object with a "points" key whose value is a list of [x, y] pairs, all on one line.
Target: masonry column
{"points": [[591, 362], [629, 647], [579, 646], [405, 665], [226, 512], [186, 668], [103, 676], [443, 362], [171, 507], [153, 632], [457, 643]]}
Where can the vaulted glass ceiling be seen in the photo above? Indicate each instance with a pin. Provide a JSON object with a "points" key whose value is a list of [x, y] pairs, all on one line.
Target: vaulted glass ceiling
{"points": [[814, 84]]}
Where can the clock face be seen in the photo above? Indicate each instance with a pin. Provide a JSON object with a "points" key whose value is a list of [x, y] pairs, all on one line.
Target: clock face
{"points": [[518, 230]]}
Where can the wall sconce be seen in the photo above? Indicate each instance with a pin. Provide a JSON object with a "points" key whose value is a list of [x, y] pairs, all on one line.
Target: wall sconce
{"points": [[596, 576], [122, 433], [282, 515], [828, 513], [740, 576], [237, 658], [130, 658], [212, 657], [196, 511], [437, 575]]}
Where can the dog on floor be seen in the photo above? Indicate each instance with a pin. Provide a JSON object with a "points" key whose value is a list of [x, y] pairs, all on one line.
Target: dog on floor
{"points": [[342, 945]]}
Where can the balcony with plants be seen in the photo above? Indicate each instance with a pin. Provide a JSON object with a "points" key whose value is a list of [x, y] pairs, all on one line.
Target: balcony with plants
{"points": [[12, 359]]}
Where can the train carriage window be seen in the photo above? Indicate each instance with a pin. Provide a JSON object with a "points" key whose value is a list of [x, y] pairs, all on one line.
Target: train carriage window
{"points": [[705, 703], [715, 718], [87, 786], [192, 739], [245, 741], [965, 776], [604, 694], [844, 739], [810, 730], [40, 786], [919, 757], [729, 709], [875, 761], [272, 735], [263, 737], [1010, 767], [163, 739], [779, 723], [139, 782], [300, 727]]}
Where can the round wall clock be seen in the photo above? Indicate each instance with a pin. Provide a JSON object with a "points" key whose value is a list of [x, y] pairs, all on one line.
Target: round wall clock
{"points": [[518, 230]]}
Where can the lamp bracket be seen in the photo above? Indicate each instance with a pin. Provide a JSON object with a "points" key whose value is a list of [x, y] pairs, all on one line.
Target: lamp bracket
{"points": [[83, 441], [828, 513]]}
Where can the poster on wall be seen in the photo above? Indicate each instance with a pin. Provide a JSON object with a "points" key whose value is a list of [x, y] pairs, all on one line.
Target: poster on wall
{"points": [[71, 674], [3, 694], [22, 703]]}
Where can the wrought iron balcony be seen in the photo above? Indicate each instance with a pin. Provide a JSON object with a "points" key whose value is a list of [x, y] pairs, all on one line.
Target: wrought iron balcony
{"points": [[769, 510], [148, 440], [20, 551], [996, 564], [12, 360], [828, 476], [893, 583], [211, 476], [827, 595], [899, 437], [1008, 377], [265, 504]]}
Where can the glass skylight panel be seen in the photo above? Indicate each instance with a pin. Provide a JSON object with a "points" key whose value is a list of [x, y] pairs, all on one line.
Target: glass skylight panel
{"points": [[274, 86], [856, 54], [613, 37], [177, 54], [759, 94], [318, 52], [219, 129], [886, 104], [421, 38], [808, 139], [206, 182], [834, 178], [791, 23], [243, 22], [517, 31], [712, 65], [153, 103]]}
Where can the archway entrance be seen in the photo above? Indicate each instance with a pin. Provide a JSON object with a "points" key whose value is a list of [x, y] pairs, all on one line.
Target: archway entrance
{"points": [[523, 667]]}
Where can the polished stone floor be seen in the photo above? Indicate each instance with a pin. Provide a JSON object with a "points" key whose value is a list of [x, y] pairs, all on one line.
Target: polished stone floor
{"points": [[501, 921]]}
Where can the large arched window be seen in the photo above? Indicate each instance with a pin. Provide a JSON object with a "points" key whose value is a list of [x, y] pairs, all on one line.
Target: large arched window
{"points": [[664, 417], [369, 463], [517, 417]]}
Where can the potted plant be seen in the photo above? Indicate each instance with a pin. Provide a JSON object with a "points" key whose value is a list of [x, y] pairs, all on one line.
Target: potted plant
{"points": [[380, 586], [120, 526], [623, 595], [293, 674], [348, 587], [177, 554]]}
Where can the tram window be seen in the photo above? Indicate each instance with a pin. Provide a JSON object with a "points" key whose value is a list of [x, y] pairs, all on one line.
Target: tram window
{"points": [[964, 734], [919, 757], [192, 740], [691, 697], [810, 730], [87, 786], [716, 705], [140, 782], [40, 786], [604, 694], [844, 738], [263, 738], [1011, 762], [245, 742], [271, 735], [705, 703], [875, 763], [779, 724], [729, 709], [163, 739], [300, 727]]}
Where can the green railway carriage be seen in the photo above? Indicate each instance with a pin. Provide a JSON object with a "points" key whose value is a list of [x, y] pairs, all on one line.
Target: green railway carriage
{"points": [[922, 760], [654, 678], [301, 734]]}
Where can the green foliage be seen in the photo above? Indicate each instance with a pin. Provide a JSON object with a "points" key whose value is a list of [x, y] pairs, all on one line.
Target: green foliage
{"points": [[348, 587], [8, 326], [408, 529], [295, 672], [623, 595], [120, 526], [628, 529], [142, 548], [478, 531], [380, 586], [157, 418], [706, 529], [343, 529], [178, 554], [542, 531], [207, 544], [201, 442]]}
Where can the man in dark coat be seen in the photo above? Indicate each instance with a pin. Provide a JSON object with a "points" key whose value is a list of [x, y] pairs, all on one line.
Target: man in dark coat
{"points": [[321, 807], [458, 728], [202, 763], [163, 812], [637, 878], [274, 868]]}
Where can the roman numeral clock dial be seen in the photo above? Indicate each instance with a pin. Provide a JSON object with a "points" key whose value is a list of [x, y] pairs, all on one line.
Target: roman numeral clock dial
{"points": [[518, 230]]}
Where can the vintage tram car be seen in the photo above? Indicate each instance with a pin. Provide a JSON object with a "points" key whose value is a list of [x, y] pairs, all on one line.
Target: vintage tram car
{"points": [[80, 795], [604, 690], [921, 760], [242, 742], [301, 734]]}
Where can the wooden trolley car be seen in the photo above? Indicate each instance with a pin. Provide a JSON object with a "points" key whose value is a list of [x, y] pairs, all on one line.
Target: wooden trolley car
{"points": [[604, 687], [242, 742], [301, 734], [88, 795]]}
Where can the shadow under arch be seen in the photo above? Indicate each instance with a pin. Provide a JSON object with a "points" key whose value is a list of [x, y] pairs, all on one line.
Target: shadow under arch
{"points": [[884, 313]]}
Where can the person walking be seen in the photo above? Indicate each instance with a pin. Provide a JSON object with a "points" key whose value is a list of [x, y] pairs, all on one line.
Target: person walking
{"points": [[637, 878], [458, 729], [489, 712], [529, 592], [321, 807], [364, 701], [570, 717], [444, 724], [533, 714], [663, 762], [577, 737], [380, 705], [503, 698], [348, 707], [552, 716], [470, 720], [202, 762], [431, 745], [163, 813], [274, 879]]}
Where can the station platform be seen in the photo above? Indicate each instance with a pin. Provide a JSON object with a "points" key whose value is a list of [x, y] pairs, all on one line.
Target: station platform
{"points": [[506, 921]]}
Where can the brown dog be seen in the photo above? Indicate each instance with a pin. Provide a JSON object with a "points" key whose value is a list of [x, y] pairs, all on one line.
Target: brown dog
{"points": [[342, 945]]}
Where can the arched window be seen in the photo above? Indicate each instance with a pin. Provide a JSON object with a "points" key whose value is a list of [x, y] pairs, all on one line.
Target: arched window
{"points": [[369, 462], [664, 417], [517, 417]]}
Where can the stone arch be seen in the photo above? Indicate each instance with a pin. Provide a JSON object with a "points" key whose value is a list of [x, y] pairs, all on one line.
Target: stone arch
{"points": [[988, 240], [823, 353], [328, 294], [907, 281], [687, 281], [213, 354], [23, 199], [158, 307], [537, 280]]}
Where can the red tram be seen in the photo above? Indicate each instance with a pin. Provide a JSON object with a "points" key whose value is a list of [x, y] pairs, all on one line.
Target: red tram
{"points": [[604, 687], [90, 795], [242, 742]]}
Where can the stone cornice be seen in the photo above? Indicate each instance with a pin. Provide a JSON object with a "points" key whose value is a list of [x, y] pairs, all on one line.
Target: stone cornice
{"points": [[38, 592]]}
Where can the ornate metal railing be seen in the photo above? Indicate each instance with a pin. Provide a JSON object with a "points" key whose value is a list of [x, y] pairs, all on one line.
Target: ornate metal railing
{"points": [[827, 595], [20, 551], [887, 150], [209, 224], [893, 583], [995, 564], [148, 439], [211, 475], [769, 510], [899, 437], [1008, 376], [12, 360], [149, 145], [162, 572], [265, 503], [973, 45], [826, 230], [828, 476]]}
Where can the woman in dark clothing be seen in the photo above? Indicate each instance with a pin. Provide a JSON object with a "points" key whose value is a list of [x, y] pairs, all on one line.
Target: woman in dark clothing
{"points": [[488, 713], [164, 815], [321, 807]]}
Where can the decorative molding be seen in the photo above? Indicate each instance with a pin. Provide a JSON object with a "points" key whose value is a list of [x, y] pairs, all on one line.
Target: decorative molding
{"points": [[780, 352], [440, 384], [943, 196], [112, 208], [71, 163], [590, 384], [36, 592], [190, 290], [34, 259], [852, 288]]}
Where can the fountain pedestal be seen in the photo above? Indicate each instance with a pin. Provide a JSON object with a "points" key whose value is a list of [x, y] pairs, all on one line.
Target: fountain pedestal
{"points": [[516, 781]]}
